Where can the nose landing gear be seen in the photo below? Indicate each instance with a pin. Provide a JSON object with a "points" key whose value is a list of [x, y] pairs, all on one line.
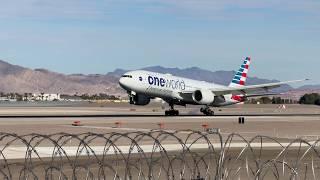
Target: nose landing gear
{"points": [[207, 111]]}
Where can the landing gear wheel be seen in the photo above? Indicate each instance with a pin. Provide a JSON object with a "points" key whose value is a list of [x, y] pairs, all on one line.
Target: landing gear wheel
{"points": [[172, 111], [207, 111], [210, 113]]}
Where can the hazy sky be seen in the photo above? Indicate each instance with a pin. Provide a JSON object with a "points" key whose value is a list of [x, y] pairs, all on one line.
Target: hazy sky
{"points": [[98, 36]]}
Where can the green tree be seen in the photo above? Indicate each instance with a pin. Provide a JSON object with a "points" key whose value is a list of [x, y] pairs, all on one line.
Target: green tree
{"points": [[309, 98], [265, 100], [277, 100]]}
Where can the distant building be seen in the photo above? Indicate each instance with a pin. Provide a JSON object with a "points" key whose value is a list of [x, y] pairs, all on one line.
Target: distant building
{"points": [[4, 99], [46, 97], [71, 98]]}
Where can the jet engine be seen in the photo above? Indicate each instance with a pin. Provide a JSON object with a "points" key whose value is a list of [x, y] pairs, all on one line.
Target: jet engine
{"points": [[203, 97], [139, 99]]}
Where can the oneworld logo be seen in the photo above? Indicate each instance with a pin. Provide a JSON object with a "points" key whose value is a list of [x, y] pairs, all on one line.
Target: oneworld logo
{"points": [[168, 83]]}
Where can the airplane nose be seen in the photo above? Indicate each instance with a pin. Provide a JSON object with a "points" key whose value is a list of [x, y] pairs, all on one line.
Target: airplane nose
{"points": [[122, 83]]}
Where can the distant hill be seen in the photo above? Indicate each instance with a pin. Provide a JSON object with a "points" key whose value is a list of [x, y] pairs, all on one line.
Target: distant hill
{"points": [[19, 79], [310, 87]]}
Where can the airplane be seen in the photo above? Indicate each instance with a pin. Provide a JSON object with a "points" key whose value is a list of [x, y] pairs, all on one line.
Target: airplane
{"points": [[142, 86]]}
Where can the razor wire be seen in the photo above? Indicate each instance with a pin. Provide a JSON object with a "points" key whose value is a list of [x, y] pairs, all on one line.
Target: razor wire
{"points": [[156, 155]]}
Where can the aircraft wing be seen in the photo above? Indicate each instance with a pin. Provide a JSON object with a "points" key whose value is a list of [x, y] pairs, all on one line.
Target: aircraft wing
{"points": [[260, 95], [251, 89]]}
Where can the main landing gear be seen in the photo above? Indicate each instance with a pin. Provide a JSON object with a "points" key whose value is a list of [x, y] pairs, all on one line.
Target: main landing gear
{"points": [[172, 111], [207, 111]]}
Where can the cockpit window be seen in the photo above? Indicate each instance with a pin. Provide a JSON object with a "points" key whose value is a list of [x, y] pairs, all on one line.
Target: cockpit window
{"points": [[127, 76]]}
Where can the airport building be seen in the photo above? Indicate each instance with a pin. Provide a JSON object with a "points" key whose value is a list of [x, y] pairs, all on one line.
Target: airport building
{"points": [[45, 97]]}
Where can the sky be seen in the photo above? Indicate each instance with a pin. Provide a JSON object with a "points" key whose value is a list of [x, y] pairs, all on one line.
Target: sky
{"points": [[98, 36]]}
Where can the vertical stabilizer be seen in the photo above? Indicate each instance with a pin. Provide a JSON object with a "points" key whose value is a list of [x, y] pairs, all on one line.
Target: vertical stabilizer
{"points": [[241, 75]]}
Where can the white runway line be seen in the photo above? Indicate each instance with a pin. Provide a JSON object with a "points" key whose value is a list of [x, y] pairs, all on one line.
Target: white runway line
{"points": [[71, 151], [129, 129], [230, 117], [244, 132], [148, 130], [121, 129], [113, 128]]}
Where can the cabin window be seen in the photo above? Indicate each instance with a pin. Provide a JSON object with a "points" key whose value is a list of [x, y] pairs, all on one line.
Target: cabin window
{"points": [[127, 76]]}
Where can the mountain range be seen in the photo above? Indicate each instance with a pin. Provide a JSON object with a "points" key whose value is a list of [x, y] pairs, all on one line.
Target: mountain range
{"points": [[18, 79], [14, 78]]}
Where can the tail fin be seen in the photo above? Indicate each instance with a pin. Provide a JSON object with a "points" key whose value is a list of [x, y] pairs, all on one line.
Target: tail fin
{"points": [[241, 75]]}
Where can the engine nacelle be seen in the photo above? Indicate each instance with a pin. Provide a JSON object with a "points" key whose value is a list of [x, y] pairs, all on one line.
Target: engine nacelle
{"points": [[139, 99], [204, 97]]}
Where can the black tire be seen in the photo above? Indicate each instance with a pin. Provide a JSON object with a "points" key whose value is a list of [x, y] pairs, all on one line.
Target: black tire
{"points": [[209, 112], [172, 113]]}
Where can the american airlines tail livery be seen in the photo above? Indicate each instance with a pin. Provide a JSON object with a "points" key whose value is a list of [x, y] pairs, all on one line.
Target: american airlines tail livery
{"points": [[142, 86]]}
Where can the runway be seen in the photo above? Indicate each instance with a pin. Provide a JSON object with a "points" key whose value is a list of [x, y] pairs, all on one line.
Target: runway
{"points": [[103, 137], [153, 111], [295, 121], [154, 115]]}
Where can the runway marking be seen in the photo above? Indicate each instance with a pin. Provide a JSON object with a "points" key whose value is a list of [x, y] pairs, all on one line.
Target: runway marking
{"points": [[243, 132], [113, 128], [128, 129], [148, 130], [71, 151], [254, 118], [228, 117], [146, 114]]}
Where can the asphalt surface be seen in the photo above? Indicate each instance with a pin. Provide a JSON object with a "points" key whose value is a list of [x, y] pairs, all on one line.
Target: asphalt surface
{"points": [[292, 122], [285, 125]]}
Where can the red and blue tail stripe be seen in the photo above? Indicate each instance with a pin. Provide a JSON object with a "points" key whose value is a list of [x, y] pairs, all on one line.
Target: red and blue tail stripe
{"points": [[241, 75]]}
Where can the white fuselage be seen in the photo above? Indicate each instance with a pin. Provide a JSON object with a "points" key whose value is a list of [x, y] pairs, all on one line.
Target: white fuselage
{"points": [[168, 87]]}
